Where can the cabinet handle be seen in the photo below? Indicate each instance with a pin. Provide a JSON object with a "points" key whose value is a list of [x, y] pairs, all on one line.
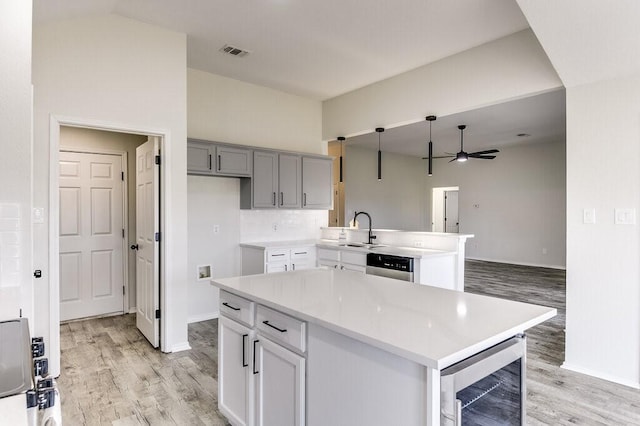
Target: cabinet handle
{"points": [[219, 162], [342, 267], [304, 199], [274, 255], [230, 307], [244, 360], [335, 266], [209, 161], [281, 330], [300, 252], [254, 357], [282, 198], [293, 267], [274, 198]]}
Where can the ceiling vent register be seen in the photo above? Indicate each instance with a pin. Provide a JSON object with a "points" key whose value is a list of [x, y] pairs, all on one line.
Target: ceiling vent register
{"points": [[234, 51]]}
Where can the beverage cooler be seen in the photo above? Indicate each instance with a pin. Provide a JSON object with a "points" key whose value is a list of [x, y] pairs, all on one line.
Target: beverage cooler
{"points": [[487, 388]]}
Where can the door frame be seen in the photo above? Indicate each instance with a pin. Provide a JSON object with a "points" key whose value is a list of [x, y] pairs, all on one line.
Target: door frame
{"points": [[437, 205], [126, 308], [55, 122]]}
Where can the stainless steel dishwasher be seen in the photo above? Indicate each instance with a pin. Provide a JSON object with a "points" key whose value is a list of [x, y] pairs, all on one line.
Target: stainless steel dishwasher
{"points": [[386, 265]]}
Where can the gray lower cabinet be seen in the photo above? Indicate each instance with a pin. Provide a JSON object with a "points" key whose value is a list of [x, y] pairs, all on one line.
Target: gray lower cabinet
{"points": [[317, 189], [276, 180], [204, 158]]}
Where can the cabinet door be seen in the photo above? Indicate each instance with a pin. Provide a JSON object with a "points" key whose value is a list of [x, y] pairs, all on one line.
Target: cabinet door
{"points": [[199, 158], [352, 267], [317, 191], [265, 180], [289, 181], [235, 395], [280, 385], [233, 161], [277, 267]]}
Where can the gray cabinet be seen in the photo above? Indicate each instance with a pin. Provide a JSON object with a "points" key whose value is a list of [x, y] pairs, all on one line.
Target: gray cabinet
{"points": [[233, 161], [205, 158], [317, 192], [200, 158], [276, 180]]}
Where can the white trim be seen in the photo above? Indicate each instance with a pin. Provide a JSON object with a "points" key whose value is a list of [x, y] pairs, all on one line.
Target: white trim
{"points": [[184, 346], [125, 211], [55, 122], [203, 317], [600, 375], [132, 309], [511, 262]]}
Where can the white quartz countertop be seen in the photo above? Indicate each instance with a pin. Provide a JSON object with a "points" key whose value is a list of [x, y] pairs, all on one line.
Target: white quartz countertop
{"points": [[276, 244], [428, 325], [416, 253]]}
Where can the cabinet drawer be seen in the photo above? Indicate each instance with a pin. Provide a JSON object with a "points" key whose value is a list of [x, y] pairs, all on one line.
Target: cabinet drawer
{"points": [[328, 254], [277, 255], [355, 258], [300, 253], [238, 308], [282, 328]]}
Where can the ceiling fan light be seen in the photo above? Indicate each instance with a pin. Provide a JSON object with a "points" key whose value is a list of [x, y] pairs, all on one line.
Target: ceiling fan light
{"points": [[462, 157]]}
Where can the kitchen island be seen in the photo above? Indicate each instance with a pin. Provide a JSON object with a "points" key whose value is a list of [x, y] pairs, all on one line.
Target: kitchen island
{"points": [[326, 346]]}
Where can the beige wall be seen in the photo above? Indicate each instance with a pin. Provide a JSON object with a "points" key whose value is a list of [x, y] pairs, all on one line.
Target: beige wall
{"points": [[505, 69], [226, 110], [90, 139], [118, 73], [16, 281]]}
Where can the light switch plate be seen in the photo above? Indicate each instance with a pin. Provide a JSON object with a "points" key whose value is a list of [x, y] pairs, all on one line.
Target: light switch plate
{"points": [[38, 215], [589, 216], [625, 216]]}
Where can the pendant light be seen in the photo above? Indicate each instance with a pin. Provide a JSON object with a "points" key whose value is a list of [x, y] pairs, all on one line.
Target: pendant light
{"points": [[341, 139], [379, 130], [430, 119]]}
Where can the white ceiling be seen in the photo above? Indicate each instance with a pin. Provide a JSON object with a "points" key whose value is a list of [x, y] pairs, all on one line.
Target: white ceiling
{"points": [[542, 117], [318, 49], [323, 48]]}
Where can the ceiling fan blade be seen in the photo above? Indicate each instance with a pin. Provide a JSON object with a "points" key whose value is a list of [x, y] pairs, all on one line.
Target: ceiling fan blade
{"points": [[453, 160], [482, 157], [489, 151], [445, 156]]}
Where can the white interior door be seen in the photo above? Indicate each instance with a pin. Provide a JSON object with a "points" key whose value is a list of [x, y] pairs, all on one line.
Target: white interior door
{"points": [[147, 241], [91, 235], [451, 221]]}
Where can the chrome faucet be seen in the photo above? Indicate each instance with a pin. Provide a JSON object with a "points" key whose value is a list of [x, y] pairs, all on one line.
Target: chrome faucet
{"points": [[371, 237]]}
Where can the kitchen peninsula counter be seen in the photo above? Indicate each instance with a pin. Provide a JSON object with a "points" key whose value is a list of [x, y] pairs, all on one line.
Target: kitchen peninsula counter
{"points": [[421, 329]]}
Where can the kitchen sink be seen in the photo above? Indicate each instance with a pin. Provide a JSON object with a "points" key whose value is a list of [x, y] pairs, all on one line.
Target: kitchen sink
{"points": [[363, 245]]}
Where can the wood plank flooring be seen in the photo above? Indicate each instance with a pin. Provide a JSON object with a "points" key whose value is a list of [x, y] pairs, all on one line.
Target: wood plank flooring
{"points": [[111, 376]]}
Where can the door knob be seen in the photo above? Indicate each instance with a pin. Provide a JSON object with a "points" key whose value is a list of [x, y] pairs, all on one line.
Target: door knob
{"points": [[134, 247]]}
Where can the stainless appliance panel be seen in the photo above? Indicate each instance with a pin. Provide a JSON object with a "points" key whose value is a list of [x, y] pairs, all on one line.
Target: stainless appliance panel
{"points": [[15, 357], [390, 273]]}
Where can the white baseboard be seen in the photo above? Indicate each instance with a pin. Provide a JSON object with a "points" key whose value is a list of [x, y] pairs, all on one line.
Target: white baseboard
{"points": [[511, 262], [203, 317], [184, 346], [600, 375], [132, 310]]}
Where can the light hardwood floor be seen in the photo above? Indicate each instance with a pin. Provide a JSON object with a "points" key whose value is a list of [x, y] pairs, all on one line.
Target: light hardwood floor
{"points": [[111, 376]]}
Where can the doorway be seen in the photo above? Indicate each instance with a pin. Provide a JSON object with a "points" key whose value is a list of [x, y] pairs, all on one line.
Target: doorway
{"points": [[58, 128], [444, 209]]}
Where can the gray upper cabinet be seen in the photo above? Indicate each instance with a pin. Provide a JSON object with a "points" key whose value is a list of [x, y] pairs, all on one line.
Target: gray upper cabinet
{"points": [[317, 192], [276, 180], [265, 180], [200, 158], [289, 181], [233, 161], [207, 158]]}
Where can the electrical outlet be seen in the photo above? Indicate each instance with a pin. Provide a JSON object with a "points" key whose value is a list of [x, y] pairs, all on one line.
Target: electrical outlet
{"points": [[418, 244], [275, 226], [216, 229]]}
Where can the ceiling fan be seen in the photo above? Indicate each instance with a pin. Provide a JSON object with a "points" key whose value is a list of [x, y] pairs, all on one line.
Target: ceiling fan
{"points": [[464, 156]]}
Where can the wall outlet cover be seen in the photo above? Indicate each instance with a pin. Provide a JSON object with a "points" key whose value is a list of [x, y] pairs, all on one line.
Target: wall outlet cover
{"points": [[589, 216], [625, 216]]}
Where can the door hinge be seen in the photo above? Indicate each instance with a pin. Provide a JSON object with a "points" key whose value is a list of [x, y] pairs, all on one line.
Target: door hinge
{"points": [[123, 291], [123, 233], [158, 160], [157, 313], [157, 236], [122, 176]]}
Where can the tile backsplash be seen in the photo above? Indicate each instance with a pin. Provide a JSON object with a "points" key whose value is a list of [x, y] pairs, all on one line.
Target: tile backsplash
{"points": [[281, 225]]}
